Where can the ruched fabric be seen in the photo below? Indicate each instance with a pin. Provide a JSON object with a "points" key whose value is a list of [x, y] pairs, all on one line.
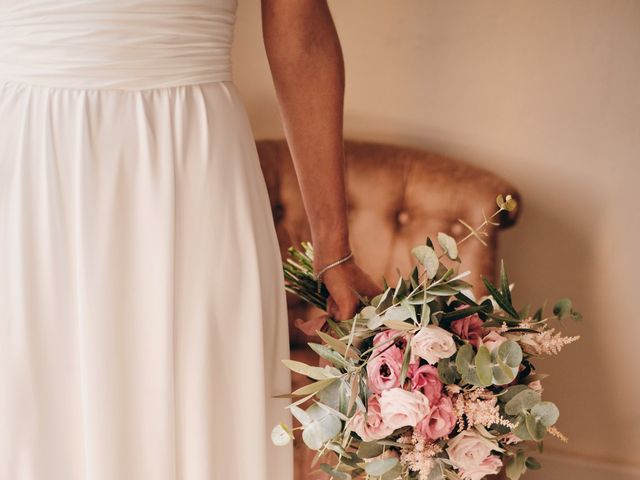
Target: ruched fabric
{"points": [[118, 44], [142, 306]]}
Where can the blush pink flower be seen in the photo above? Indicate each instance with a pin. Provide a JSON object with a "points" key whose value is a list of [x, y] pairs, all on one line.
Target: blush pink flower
{"points": [[426, 379], [389, 339], [383, 370], [493, 340], [489, 466], [370, 426], [470, 453], [440, 421], [433, 344], [401, 408], [469, 328]]}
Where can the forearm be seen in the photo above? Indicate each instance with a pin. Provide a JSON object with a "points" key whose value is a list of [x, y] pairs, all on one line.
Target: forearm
{"points": [[308, 71]]}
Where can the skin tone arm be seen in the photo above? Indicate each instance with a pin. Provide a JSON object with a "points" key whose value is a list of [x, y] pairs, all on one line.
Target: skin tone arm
{"points": [[307, 67]]}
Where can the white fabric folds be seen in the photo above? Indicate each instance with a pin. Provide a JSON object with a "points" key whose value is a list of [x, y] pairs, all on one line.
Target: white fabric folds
{"points": [[142, 308], [116, 44]]}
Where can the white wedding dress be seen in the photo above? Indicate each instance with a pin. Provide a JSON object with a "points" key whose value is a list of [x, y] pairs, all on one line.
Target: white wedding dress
{"points": [[142, 308]]}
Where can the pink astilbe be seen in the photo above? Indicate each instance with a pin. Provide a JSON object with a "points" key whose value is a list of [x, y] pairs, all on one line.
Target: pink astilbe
{"points": [[547, 342]]}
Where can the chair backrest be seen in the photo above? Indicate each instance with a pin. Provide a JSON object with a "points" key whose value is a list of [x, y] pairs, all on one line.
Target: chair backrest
{"points": [[397, 197]]}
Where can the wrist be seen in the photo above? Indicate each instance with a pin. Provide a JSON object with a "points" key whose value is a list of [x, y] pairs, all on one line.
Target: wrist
{"points": [[329, 250]]}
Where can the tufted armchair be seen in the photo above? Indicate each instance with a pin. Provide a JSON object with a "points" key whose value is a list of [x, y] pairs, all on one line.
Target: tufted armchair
{"points": [[397, 197]]}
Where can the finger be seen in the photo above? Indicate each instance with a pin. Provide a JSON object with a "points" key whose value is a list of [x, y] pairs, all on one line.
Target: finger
{"points": [[331, 307], [347, 309]]}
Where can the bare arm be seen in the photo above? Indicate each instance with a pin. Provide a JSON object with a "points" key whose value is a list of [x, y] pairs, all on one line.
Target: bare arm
{"points": [[306, 63]]}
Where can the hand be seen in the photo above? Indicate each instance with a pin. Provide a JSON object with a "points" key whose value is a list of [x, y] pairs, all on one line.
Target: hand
{"points": [[343, 281]]}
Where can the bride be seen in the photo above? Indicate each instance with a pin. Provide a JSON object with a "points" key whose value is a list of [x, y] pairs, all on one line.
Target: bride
{"points": [[142, 307]]}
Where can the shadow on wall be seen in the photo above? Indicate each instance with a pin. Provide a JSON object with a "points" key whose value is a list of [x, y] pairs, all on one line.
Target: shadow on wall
{"points": [[552, 253], [558, 261]]}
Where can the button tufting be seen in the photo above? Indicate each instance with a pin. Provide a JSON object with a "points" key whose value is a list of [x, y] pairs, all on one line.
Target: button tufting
{"points": [[278, 212], [403, 217]]}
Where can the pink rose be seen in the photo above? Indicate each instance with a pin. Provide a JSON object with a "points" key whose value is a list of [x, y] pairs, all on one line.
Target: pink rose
{"points": [[493, 340], [433, 343], [536, 386], [440, 420], [489, 466], [383, 370], [469, 453], [426, 379], [370, 426], [401, 408], [389, 339], [468, 328]]}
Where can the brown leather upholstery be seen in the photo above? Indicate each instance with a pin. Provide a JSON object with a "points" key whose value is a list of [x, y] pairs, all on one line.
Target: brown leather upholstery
{"points": [[397, 197]]}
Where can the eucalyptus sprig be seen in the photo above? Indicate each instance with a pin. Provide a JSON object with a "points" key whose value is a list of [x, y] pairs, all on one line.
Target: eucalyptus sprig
{"points": [[432, 298]]}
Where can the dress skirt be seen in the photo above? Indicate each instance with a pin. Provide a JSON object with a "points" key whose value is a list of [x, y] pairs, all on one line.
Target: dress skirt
{"points": [[142, 306]]}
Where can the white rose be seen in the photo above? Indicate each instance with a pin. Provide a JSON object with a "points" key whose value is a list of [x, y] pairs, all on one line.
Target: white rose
{"points": [[433, 343], [401, 408], [468, 450]]}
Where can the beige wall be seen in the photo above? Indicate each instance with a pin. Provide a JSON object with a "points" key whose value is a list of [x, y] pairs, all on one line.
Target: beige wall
{"points": [[547, 92]]}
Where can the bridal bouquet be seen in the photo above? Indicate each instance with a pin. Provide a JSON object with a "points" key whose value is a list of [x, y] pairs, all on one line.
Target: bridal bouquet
{"points": [[426, 382]]}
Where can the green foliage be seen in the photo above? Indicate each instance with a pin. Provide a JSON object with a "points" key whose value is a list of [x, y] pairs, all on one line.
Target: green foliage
{"points": [[380, 467], [449, 245], [322, 427], [564, 308], [432, 293]]}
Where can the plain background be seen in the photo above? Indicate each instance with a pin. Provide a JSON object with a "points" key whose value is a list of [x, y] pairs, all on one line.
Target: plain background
{"points": [[547, 93]]}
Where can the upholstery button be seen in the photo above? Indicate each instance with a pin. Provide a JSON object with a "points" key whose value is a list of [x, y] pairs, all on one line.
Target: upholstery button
{"points": [[403, 217], [278, 212]]}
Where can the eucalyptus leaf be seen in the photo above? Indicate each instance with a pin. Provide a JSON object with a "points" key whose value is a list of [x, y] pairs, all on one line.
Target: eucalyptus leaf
{"points": [[522, 402], [536, 429], [333, 473], [546, 413], [510, 353], [532, 464], [521, 430], [503, 374], [302, 416], [380, 467], [464, 358], [437, 471], [563, 307], [448, 244], [428, 258], [398, 313], [483, 366], [511, 392], [516, 466], [394, 473], [281, 435], [447, 371], [370, 449], [323, 428]]}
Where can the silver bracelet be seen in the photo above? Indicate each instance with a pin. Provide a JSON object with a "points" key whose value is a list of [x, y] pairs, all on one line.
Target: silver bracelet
{"points": [[318, 275]]}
